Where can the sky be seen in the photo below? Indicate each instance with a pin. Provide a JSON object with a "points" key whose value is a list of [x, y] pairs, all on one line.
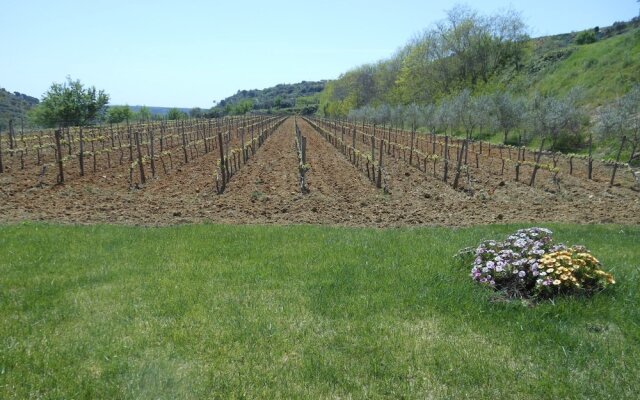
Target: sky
{"points": [[191, 53]]}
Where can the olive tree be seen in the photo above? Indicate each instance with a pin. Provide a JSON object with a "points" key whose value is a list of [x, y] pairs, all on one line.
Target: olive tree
{"points": [[557, 119], [620, 119], [508, 112]]}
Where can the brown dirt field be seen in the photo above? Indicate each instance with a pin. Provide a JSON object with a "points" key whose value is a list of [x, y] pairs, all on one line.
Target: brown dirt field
{"points": [[265, 191]]}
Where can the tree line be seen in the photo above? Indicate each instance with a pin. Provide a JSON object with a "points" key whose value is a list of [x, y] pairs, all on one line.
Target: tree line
{"points": [[558, 121], [463, 50]]}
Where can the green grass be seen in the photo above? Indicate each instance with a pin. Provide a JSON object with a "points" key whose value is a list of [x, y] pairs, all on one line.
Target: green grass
{"points": [[212, 311], [605, 69]]}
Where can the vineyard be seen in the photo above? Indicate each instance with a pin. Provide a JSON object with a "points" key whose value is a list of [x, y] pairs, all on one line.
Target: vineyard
{"points": [[294, 170]]}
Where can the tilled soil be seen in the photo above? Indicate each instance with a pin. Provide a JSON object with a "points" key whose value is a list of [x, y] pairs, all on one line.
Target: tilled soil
{"points": [[266, 191]]}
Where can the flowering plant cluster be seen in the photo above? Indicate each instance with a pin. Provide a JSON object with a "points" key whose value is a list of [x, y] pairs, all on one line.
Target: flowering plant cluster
{"points": [[569, 270], [528, 263]]}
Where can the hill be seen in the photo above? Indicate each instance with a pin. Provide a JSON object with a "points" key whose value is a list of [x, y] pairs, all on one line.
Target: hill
{"points": [[299, 97], [14, 106], [449, 59], [483, 77], [604, 69], [158, 111]]}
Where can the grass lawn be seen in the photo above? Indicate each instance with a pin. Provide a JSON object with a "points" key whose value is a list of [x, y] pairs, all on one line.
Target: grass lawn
{"points": [[211, 311]]}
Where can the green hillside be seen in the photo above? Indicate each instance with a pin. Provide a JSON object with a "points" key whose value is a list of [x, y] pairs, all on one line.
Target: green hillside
{"points": [[14, 106], [604, 69], [483, 77], [299, 97], [442, 63]]}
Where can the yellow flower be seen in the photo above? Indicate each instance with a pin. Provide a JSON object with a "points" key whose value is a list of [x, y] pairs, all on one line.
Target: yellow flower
{"points": [[549, 270], [564, 277], [556, 282]]}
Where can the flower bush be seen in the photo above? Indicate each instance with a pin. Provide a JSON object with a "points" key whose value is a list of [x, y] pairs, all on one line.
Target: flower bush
{"points": [[528, 264], [569, 270]]}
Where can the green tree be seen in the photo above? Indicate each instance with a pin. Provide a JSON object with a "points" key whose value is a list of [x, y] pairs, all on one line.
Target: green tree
{"points": [[621, 118], [175, 114], [143, 114], [196, 112], [508, 111], [558, 119], [117, 114], [242, 107], [70, 104]]}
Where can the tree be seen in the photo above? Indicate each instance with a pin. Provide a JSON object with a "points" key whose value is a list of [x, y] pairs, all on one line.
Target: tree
{"points": [[429, 117], [144, 114], [508, 112], [558, 119], [70, 104], [465, 113], [242, 107], [196, 112], [176, 114], [117, 114], [621, 119], [631, 107]]}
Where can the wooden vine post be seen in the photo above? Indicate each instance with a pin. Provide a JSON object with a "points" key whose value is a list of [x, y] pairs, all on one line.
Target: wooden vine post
{"points": [[373, 157], [11, 136], [590, 161], [244, 155], [459, 166], [615, 166], [253, 143], [536, 166], [140, 164], [152, 153], [1, 166], [222, 167], [446, 157], [413, 136], [184, 144], [353, 138], [130, 143], [58, 134], [81, 154], [379, 177], [301, 147]]}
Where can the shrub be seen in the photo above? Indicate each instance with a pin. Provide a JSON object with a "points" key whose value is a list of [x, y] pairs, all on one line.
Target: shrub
{"points": [[528, 264], [586, 37]]}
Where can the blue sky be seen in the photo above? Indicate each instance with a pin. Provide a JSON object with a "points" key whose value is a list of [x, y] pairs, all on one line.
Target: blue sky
{"points": [[190, 53]]}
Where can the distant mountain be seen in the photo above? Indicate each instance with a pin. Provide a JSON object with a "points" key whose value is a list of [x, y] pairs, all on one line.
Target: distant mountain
{"points": [[299, 97], [159, 111], [14, 106]]}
